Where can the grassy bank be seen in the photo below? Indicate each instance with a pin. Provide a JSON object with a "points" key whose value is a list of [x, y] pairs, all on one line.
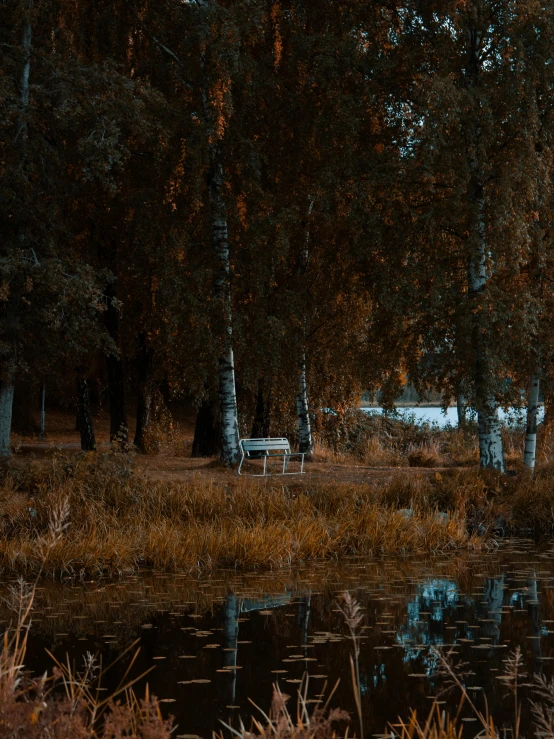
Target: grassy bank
{"points": [[115, 519], [119, 520]]}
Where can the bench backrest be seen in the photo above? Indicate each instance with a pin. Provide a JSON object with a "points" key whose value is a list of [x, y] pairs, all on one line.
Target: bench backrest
{"points": [[265, 445]]}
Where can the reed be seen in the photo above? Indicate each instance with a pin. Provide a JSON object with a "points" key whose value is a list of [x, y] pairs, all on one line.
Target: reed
{"points": [[66, 705]]}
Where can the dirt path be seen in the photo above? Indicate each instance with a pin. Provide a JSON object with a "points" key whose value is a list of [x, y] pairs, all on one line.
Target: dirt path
{"points": [[187, 468]]}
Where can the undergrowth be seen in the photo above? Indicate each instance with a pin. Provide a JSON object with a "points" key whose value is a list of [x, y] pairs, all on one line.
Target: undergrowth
{"points": [[400, 441]]}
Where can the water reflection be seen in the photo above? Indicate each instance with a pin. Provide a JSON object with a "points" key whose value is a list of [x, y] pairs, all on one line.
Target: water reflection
{"points": [[219, 642]]}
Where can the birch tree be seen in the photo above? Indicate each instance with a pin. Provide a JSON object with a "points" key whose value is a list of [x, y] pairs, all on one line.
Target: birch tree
{"points": [[475, 153]]}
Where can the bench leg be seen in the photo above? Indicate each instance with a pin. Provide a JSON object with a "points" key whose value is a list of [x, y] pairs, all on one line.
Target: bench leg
{"points": [[240, 465], [265, 464]]}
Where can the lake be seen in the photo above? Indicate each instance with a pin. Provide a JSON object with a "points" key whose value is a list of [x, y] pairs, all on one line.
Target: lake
{"points": [[218, 643], [434, 415]]}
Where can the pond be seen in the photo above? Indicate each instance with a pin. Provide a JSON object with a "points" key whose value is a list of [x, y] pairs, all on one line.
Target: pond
{"points": [[218, 643]]}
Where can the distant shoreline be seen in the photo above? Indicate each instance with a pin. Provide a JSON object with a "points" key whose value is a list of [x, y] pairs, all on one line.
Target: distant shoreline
{"points": [[416, 405], [406, 405]]}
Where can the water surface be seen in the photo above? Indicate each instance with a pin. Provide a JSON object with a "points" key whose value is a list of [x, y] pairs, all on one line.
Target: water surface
{"points": [[515, 417], [218, 643]]}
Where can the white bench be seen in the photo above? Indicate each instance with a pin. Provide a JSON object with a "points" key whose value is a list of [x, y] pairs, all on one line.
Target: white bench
{"points": [[268, 449]]}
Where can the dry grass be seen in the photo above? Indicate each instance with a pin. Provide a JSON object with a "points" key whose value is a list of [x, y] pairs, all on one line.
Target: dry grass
{"points": [[67, 705], [312, 719], [121, 520], [380, 441]]}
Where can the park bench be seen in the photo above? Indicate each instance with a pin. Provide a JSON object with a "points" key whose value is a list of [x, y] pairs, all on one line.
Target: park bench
{"points": [[270, 449]]}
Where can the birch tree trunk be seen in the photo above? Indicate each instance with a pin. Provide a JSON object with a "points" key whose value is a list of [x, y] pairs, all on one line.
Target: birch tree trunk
{"points": [[6, 405], [491, 451], [490, 430], [226, 362], [303, 411], [305, 441], [530, 452]]}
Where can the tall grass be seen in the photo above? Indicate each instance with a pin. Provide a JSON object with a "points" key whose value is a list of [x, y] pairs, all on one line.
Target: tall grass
{"points": [[401, 441], [122, 520], [66, 705]]}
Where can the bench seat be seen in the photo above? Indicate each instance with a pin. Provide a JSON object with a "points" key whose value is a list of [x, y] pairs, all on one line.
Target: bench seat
{"points": [[269, 449]]}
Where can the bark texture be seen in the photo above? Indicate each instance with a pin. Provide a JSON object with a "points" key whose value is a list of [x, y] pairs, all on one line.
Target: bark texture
{"points": [[485, 382], [6, 406], [302, 401], [226, 362], [144, 398], [303, 412], [84, 417], [206, 430], [530, 452], [116, 376]]}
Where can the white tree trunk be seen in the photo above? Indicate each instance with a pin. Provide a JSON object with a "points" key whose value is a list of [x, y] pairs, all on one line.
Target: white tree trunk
{"points": [[303, 411], [491, 451], [530, 452], [302, 401], [484, 379], [490, 429], [226, 363], [6, 406]]}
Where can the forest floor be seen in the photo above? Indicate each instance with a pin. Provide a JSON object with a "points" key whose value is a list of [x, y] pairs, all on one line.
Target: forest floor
{"points": [[176, 462]]}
